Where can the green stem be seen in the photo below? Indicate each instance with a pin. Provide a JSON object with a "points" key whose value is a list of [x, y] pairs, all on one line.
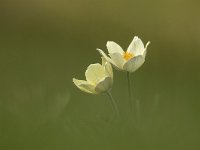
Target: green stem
{"points": [[130, 91], [114, 104], [134, 103], [138, 115]]}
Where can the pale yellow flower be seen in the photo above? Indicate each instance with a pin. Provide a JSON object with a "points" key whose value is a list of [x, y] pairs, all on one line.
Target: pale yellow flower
{"points": [[99, 78], [129, 60]]}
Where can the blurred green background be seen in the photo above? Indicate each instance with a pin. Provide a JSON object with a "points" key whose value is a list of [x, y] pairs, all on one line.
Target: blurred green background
{"points": [[45, 43]]}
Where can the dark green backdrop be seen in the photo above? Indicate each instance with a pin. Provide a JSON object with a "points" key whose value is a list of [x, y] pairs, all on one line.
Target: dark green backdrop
{"points": [[44, 44]]}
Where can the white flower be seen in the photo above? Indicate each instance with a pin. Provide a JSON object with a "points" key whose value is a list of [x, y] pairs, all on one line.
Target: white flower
{"points": [[99, 78], [129, 60]]}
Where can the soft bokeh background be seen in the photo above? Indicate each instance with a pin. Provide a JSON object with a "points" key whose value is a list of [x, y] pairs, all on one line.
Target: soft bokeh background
{"points": [[45, 43]]}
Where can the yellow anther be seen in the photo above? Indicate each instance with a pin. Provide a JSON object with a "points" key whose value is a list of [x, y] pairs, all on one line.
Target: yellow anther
{"points": [[128, 55]]}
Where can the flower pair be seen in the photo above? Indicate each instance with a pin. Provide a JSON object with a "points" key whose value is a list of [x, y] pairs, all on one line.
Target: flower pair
{"points": [[99, 77]]}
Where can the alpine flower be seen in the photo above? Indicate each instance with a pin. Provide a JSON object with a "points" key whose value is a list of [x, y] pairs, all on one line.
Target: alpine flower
{"points": [[99, 78], [129, 60]]}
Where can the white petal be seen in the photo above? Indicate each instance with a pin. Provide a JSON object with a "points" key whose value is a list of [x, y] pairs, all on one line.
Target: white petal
{"points": [[108, 70], [118, 60], [134, 63], [145, 51], [104, 85], [103, 61], [136, 47], [147, 44], [114, 48], [84, 86], [107, 58], [94, 73]]}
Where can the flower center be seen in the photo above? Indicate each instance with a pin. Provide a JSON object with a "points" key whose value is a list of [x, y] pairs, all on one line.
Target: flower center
{"points": [[128, 55]]}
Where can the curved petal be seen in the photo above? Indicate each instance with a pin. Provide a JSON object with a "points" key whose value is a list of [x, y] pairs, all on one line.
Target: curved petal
{"points": [[147, 44], [108, 59], [118, 60], [84, 86], [103, 61], [108, 70], [104, 85], [134, 63], [105, 56], [114, 48], [94, 73], [136, 47], [145, 51]]}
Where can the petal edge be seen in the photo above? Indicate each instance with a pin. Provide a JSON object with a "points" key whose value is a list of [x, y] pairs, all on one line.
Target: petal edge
{"points": [[84, 86]]}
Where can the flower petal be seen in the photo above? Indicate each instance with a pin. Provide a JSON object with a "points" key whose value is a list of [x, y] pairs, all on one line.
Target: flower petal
{"points": [[147, 44], [114, 48], [136, 47], [105, 56], [94, 73], [145, 49], [134, 63], [118, 60], [104, 85], [108, 70], [103, 61], [84, 86], [108, 59]]}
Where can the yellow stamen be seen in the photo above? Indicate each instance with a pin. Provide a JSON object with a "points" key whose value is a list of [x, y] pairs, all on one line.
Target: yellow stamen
{"points": [[128, 55]]}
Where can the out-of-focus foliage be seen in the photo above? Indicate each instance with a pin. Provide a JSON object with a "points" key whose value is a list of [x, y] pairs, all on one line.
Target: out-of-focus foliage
{"points": [[44, 44]]}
